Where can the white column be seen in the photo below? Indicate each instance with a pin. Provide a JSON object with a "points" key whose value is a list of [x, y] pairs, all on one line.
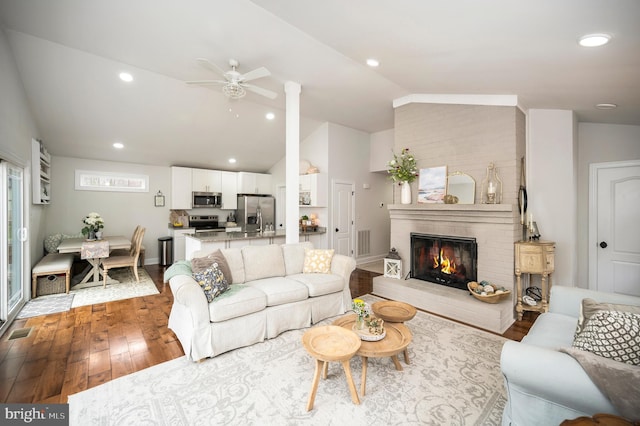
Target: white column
{"points": [[292, 160]]}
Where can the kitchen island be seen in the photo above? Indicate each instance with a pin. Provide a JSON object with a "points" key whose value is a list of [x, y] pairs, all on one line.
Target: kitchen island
{"points": [[211, 241]]}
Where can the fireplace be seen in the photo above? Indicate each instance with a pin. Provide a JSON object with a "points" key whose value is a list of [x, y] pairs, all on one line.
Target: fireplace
{"points": [[445, 260]]}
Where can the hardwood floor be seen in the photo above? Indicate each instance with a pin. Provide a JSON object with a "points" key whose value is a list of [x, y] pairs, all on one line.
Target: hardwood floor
{"points": [[69, 352]]}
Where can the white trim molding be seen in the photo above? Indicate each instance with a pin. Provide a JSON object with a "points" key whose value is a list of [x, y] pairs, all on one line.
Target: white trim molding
{"points": [[492, 100]]}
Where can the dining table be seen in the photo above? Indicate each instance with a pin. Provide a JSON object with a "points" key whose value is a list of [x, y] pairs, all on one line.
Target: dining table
{"points": [[93, 251]]}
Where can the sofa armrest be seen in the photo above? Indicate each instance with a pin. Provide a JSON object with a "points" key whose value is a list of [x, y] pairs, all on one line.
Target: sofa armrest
{"points": [[188, 293], [538, 378], [343, 265], [567, 300]]}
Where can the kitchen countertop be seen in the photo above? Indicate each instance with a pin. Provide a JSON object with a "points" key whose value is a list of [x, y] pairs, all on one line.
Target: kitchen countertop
{"points": [[227, 236]]}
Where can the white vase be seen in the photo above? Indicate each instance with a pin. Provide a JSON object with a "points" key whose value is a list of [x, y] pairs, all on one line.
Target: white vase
{"points": [[405, 193]]}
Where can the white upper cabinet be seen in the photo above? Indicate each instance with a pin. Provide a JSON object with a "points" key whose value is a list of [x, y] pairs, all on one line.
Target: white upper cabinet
{"points": [[254, 183], [181, 188], [229, 190], [206, 180], [313, 190]]}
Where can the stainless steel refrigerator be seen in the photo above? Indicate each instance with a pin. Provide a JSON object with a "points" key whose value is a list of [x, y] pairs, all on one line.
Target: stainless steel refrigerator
{"points": [[255, 211]]}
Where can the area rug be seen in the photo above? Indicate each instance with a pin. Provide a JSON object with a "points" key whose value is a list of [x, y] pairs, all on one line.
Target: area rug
{"points": [[454, 379], [125, 289], [45, 305]]}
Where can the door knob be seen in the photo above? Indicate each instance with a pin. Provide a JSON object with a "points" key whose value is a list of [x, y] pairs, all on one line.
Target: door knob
{"points": [[337, 230], [603, 244]]}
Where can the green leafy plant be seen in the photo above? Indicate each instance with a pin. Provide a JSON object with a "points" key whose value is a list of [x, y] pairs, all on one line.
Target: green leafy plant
{"points": [[403, 167], [93, 223]]}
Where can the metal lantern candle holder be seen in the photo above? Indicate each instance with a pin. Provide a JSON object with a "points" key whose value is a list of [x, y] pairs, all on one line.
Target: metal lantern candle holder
{"points": [[492, 186], [393, 265]]}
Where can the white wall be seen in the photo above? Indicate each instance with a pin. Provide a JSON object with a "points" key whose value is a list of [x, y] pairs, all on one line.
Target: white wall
{"points": [[598, 143], [552, 186], [17, 128], [121, 211], [381, 150]]}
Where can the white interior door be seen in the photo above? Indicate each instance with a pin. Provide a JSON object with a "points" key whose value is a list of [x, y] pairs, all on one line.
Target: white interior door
{"points": [[615, 238], [342, 218]]}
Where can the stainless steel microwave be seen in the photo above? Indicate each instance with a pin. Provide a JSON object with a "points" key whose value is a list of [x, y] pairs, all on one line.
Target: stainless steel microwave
{"points": [[206, 199]]}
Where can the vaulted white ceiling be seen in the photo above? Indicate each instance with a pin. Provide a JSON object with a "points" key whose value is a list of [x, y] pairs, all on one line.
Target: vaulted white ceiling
{"points": [[69, 54]]}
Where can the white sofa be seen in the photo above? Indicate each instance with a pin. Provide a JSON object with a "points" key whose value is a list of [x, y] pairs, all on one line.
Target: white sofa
{"points": [[268, 294], [544, 385]]}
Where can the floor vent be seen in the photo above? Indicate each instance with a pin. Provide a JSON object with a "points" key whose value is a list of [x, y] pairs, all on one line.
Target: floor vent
{"points": [[364, 242], [20, 333]]}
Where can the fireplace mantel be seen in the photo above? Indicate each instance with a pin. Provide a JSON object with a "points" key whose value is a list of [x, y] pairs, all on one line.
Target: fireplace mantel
{"points": [[468, 213]]}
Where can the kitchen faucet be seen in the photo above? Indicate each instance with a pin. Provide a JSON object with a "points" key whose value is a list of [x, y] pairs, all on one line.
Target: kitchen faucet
{"points": [[259, 214]]}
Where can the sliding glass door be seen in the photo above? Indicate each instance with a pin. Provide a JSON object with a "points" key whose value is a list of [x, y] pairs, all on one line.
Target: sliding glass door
{"points": [[12, 238]]}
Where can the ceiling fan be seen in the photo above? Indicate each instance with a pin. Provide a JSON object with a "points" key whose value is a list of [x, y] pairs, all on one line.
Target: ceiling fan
{"points": [[235, 84]]}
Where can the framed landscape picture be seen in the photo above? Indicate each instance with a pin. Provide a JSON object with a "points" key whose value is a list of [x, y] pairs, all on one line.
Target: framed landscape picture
{"points": [[432, 185]]}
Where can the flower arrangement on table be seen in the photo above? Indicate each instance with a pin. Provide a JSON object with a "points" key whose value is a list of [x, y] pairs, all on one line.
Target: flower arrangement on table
{"points": [[403, 167], [93, 223]]}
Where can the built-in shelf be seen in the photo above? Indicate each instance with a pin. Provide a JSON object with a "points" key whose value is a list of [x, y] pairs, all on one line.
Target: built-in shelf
{"points": [[41, 173]]}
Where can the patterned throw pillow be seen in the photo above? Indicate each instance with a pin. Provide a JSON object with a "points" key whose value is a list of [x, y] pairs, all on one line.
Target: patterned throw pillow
{"points": [[200, 264], [317, 261], [612, 334], [212, 281], [52, 242], [589, 307]]}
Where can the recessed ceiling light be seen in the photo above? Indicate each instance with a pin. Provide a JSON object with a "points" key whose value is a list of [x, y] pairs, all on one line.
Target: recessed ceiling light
{"points": [[118, 145], [125, 76], [606, 106], [372, 62], [270, 116], [594, 40], [232, 160]]}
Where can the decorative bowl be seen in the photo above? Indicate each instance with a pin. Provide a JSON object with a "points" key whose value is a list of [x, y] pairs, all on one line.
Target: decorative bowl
{"points": [[490, 298]]}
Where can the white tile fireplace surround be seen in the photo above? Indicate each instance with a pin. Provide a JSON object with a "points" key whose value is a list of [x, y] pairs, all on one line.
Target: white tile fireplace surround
{"points": [[494, 226]]}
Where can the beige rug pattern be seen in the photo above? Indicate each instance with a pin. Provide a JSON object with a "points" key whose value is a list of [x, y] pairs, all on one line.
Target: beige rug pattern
{"points": [[125, 289], [454, 379]]}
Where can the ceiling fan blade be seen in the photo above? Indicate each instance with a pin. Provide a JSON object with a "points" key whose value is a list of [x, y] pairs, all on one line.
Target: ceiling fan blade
{"points": [[255, 74], [211, 66], [206, 82], [260, 91]]}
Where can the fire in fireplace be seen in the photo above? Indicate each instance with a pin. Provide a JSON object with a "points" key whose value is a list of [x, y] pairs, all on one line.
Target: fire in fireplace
{"points": [[450, 261]]}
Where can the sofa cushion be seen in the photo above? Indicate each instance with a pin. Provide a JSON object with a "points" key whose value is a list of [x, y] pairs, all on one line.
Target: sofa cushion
{"points": [[236, 264], [238, 301], [52, 242], [262, 262], [294, 257], [552, 331], [280, 290], [319, 284], [612, 334], [317, 261], [589, 307], [199, 264], [212, 282]]}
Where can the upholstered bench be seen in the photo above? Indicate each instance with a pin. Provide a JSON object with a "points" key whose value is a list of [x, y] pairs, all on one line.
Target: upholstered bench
{"points": [[52, 264]]}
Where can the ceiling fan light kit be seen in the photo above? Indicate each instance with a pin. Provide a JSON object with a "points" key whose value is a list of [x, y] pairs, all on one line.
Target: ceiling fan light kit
{"points": [[235, 85]]}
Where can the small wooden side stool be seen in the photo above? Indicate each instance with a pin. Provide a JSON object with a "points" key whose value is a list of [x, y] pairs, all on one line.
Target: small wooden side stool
{"points": [[331, 343], [395, 312], [52, 264]]}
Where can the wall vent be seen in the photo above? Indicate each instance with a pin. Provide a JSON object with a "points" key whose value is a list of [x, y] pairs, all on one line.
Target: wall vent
{"points": [[364, 242]]}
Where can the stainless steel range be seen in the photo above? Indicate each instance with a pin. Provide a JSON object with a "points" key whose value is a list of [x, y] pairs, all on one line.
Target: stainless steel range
{"points": [[205, 224]]}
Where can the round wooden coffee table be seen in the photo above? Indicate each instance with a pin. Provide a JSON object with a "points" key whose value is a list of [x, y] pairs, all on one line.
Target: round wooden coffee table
{"points": [[331, 343], [395, 312], [396, 340]]}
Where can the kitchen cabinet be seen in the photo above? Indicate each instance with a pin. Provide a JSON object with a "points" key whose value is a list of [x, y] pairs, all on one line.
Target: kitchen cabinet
{"points": [[179, 242], [229, 181], [254, 183], [41, 173], [206, 180], [313, 190], [181, 188]]}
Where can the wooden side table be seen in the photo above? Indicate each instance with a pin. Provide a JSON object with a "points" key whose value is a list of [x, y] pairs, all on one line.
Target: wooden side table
{"points": [[396, 312], [331, 343], [534, 257]]}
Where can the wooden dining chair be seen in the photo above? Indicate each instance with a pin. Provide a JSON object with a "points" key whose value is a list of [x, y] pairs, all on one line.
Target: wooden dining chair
{"points": [[125, 261], [130, 252]]}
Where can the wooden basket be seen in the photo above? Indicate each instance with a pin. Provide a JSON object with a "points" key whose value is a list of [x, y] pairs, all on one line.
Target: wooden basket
{"points": [[490, 298]]}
